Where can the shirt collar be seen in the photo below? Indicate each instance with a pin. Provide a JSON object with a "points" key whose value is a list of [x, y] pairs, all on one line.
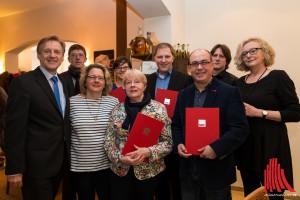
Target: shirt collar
{"points": [[47, 74], [167, 74]]}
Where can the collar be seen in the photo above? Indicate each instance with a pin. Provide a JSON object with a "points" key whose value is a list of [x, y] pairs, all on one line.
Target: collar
{"points": [[167, 74], [47, 74]]}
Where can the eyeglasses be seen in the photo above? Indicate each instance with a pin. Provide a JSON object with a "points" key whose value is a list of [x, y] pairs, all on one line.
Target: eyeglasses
{"points": [[122, 68], [80, 55], [101, 78], [252, 51], [196, 63]]}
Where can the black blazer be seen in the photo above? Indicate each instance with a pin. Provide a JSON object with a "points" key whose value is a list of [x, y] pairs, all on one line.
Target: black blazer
{"points": [[178, 81], [35, 129], [69, 83], [220, 172]]}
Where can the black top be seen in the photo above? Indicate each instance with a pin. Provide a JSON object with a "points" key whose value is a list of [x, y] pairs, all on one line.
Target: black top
{"points": [[227, 77], [268, 138]]}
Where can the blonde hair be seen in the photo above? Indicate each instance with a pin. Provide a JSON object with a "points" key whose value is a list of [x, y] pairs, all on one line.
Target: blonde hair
{"points": [[85, 72], [269, 53], [135, 73]]}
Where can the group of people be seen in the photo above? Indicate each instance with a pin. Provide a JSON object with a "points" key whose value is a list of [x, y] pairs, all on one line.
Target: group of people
{"points": [[67, 126]]}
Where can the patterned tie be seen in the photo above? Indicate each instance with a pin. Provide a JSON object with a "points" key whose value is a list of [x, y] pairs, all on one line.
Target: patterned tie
{"points": [[56, 92]]}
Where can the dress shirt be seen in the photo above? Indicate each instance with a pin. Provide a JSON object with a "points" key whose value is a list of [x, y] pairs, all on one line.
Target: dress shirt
{"points": [[162, 81], [60, 87]]}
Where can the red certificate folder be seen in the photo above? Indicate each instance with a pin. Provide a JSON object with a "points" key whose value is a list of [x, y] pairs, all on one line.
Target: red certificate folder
{"points": [[202, 128], [168, 98], [144, 133], [119, 93]]}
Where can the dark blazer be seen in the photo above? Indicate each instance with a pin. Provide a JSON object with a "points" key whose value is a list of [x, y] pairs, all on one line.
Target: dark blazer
{"points": [[35, 129], [178, 81], [69, 82], [220, 172]]}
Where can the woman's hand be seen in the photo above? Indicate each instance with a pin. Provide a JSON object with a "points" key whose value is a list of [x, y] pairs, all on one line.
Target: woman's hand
{"points": [[136, 157], [251, 111]]}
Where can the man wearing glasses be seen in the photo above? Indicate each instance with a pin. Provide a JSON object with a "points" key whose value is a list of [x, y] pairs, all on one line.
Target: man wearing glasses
{"points": [[77, 58], [221, 57], [209, 174]]}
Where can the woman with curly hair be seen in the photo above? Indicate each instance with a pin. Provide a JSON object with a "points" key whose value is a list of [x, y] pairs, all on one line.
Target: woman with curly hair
{"points": [[270, 101]]}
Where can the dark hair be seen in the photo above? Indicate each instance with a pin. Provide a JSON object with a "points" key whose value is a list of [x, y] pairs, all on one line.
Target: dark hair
{"points": [[161, 46], [225, 50], [85, 72], [50, 38], [76, 47], [120, 61]]}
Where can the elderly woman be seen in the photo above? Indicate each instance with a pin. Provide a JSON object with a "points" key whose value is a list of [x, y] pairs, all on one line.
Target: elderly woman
{"points": [[270, 101], [132, 178], [89, 115], [120, 66]]}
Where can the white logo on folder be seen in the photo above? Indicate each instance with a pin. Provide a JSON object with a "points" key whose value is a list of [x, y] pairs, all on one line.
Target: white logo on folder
{"points": [[167, 101], [201, 123]]}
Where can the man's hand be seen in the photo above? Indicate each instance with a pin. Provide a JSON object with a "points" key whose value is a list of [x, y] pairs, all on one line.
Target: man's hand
{"points": [[182, 151], [16, 180], [207, 152]]}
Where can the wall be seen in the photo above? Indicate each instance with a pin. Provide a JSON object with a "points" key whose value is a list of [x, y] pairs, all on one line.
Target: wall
{"points": [[91, 23], [230, 22]]}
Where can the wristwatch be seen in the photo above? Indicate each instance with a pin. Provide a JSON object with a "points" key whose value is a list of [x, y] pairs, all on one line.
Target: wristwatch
{"points": [[265, 113]]}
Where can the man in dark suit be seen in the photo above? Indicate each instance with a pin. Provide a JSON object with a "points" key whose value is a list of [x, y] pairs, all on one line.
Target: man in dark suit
{"points": [[209, 175], [37, 135], [167, 78], [77, 58]]}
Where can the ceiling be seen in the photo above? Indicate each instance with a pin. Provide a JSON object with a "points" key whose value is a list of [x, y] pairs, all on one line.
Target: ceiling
{"points": [[149, 8], [12, 7], [146, 8]]}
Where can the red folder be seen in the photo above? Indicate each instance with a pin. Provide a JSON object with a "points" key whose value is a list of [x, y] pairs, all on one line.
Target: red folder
{"points": [[144, 133], [168, 98], [119, 93], [202, 128]]}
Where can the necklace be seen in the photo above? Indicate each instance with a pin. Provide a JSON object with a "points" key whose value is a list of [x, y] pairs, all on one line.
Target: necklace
{"points": [[250, 91], [96, 117]]}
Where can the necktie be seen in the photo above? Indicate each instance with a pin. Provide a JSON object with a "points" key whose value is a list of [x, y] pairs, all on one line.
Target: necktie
{"points": [[56, 91]]}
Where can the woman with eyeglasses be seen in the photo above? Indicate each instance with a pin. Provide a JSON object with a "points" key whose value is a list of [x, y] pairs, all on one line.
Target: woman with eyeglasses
{"points": [[120, 66], [270, 101], [89, 115], [133, 178]]}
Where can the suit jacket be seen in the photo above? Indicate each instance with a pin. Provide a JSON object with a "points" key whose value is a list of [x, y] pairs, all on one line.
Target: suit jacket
{"points": [[69, 83], [178, 81], [35, 129], [220, 172]]}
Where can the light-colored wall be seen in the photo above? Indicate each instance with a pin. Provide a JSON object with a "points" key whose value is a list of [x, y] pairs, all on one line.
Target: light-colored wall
{"points": [[229, 22], [91, 23]]}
